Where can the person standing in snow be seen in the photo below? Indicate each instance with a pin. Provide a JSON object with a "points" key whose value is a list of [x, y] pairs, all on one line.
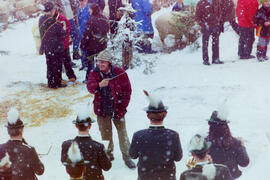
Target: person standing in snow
{"points": [[143, 13], [114, 14], [83, 17], [94, 38], [112, 90], [208, 17], [71, 14], [245, 11], [51, 34], [75, 164], [225, 148], [262, 20], [156, 147], [204, 168], [67, 59], [5, 166], [25, 163], [91, 151]]}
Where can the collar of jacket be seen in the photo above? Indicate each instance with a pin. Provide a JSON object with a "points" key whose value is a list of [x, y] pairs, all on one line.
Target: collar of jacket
{"points": [[199, 165], [83, 136], [156, 127], [101, 73]]}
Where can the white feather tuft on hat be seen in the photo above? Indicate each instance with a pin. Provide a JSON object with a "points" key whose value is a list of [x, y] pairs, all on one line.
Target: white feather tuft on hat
{"points": [[209, 170], [74, 153], [196, 143], [13, 115], [83, 113], [154, 101], [223, 111], [41, 7], [5, 161]]}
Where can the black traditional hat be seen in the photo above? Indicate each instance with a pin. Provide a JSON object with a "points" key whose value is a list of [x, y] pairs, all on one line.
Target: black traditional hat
{"points": [[83, 116], [198, 144], [215, 118], [156, 105], [14, 121]]}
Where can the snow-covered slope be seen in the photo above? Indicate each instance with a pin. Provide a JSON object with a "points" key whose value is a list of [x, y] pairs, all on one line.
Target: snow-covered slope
{"points": [[190, 90]]}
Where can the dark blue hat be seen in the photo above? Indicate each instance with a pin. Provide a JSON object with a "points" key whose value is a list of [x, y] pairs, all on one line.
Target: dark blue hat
{"points": [[48, 6]]}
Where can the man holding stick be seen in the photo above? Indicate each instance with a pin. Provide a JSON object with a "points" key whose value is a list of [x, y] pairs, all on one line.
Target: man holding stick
{"points": [[112, 90]]}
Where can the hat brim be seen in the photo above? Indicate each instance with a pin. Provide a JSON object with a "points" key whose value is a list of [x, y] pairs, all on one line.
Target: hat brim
{"points": [[205, 148], [15, 126], [77, 163], [76, 122], [218, 122], [156, 110]]}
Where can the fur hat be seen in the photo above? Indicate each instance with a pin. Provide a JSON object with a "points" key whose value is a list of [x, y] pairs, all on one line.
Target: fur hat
{"points": [[83, 116], [198, 144], [155, 105], [105, 55], [217, 118], [14, 120]]}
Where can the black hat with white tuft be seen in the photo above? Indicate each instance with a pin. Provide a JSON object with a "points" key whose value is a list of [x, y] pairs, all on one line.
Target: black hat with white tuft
{"points": [[198, 144], [83, 117], [217, 118], [156, 105], [74, 156], [14, 121]]}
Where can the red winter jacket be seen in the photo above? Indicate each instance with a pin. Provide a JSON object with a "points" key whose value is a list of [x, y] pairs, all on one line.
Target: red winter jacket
{"points": [[245, 12], [120, 87], [66, 26]]}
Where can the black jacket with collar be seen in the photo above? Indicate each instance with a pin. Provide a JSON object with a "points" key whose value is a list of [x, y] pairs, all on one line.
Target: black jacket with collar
{"points": [[24, 159], [157, 148], [222, 173], [93, 152]]}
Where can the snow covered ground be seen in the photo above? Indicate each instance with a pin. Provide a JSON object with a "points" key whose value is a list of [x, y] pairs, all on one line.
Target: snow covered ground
{"points": [[192, 91]]}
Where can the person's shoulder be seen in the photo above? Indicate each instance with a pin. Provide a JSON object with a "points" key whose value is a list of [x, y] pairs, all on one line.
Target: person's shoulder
{"points": [[141, 132], [67, 142], [117, 70], [170, 131]]}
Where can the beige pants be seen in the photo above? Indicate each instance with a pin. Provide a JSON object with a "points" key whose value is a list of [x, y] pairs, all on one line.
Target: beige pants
{"points": [[105, 128]]}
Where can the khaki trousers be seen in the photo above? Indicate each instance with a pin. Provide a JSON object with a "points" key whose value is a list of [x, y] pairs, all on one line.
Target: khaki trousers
{"points": [[105, 128]]}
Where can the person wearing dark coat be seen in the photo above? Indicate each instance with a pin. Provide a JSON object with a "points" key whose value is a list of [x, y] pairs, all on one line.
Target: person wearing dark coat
{"points": [[226, 149], [208, 17], [156, 147], [204, 168], [112, 90], [113, 14], [92, 151], [100, 3], [25, 163], [262, 20], [95, 37], [51, 34]]}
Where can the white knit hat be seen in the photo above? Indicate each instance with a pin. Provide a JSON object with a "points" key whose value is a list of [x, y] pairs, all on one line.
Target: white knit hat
{"points": [[105, 55]]}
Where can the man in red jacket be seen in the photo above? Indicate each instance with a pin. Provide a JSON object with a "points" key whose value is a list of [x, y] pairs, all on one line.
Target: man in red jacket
{"points": [[112, 90], [245, 12]]}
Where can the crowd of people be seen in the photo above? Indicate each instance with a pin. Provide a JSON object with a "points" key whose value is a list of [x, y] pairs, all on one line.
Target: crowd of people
{"points": [[215, 157]]}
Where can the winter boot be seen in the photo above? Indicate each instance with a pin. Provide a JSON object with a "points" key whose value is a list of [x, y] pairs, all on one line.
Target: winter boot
{"points": [[261, 52], [76, 55], [217, 61], [206, 63], [130, 164]]}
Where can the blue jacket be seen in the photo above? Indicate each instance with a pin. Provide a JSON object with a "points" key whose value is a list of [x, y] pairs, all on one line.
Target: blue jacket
{"points": [[157, 148], [143, 13], [178, 7], [101, 3], [83, 16]]}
